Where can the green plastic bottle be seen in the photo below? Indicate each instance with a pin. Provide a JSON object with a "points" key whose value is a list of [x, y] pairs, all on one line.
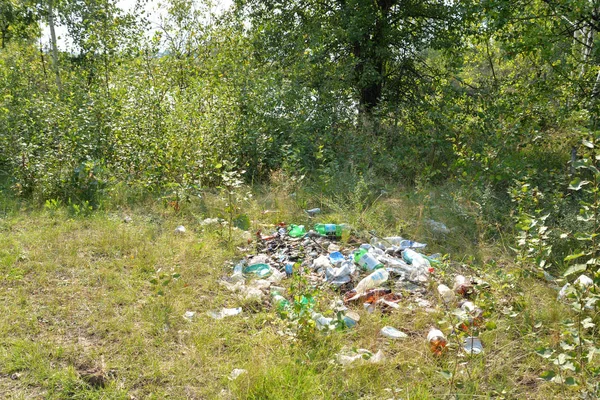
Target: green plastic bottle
{"points": [[366, 261], [335, 230], [297, 231]]}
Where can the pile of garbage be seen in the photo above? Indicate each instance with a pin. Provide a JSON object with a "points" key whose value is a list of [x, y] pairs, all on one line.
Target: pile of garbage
{"points": [[377, 275]]}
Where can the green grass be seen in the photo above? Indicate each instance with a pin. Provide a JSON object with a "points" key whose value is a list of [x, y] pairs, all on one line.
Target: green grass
{"points": [[76, 294]]}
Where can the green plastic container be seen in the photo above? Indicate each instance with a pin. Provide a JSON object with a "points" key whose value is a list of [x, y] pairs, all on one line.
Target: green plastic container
{"points": [[258, 271]]}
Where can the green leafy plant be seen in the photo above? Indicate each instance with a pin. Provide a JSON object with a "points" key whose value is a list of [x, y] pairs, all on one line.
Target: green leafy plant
{"points": [[231, 185], [574, 356], [300, 313], [52, 205], [533, 246], [586, 184], [82, 209], [160, 284]]}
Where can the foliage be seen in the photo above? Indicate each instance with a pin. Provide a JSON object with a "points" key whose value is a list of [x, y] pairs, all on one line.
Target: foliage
{"points": [[534, 248], [231, 184], [572, 359]]}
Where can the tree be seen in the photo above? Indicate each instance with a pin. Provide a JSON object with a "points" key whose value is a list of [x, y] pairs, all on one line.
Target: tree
{"points": [[98, 30], [378, 44], [18, 19]]}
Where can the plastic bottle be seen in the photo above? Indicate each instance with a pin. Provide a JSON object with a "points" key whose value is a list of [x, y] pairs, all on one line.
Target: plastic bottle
{"points": [[393, 333], [335, 230], [351, 319], [289, 269], [238, 272], [446, 294], [372, 281], [403, 243], [415, 259], [281, 302], [224, 312], [473, 345], [461, 286], [437, 341], [366, 261], [297, 231], [376, 242]]}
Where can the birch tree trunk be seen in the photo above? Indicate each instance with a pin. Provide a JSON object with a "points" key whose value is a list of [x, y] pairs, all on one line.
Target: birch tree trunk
{"points": [[53, 44]]}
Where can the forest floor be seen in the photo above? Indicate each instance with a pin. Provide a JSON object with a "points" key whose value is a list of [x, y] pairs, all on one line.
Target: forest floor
{"points": [[85, 314]]}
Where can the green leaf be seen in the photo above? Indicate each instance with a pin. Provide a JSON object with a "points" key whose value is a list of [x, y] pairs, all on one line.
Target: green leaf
{"points": [[577, 184], [580, 164], [490, 325], [575, 269], [544, 352], [587, 323], [176, 276], [568, 366], [548, 375], [446, 374], [591, 353], [562, 358], [587, 144], [242, 222], [566, 346], [570, 381], [574, 256]]}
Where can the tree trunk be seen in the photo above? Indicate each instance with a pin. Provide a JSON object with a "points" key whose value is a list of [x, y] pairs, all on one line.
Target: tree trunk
{"points": [[53, 44], [371, 57]]}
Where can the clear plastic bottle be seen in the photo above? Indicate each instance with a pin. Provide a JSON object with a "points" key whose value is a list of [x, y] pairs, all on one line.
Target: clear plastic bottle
{"points": [[473, 345], [404, 243], [238, 272], [372, 281], [415, 259]]}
